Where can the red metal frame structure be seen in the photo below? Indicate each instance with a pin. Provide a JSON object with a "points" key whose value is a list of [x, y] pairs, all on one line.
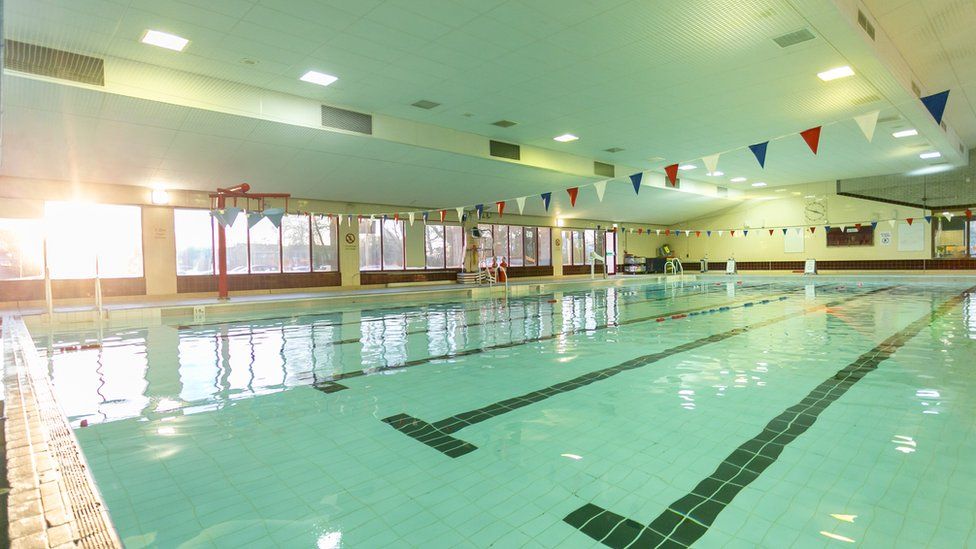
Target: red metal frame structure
{"points": [[219, 200]]}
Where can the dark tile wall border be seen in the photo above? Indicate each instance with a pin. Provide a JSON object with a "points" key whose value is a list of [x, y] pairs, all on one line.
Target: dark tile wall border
{"points": [[260, 281], [33, 290], [847, 265]]}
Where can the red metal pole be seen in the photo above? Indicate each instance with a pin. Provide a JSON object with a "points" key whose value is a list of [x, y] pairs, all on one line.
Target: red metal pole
{"points": [[221, 255]]}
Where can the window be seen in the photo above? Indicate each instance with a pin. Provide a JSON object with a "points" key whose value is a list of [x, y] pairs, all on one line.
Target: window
{"points": [[444, 246], [393, 242], [21, 249], [381, 244], [434, 246], [296, 250], [545, 246], [325, 255], [577, 247], [530, 248], [193, 231], [515, 246], [950, 238], [81, 235], [454, 246], [236, 240], [500, 236], [265, 248], [589, 246], [578, 244], [567, 247]]}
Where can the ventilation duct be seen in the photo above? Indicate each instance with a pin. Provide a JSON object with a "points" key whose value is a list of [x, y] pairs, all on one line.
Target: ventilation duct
{"points": [[793, 38], [63, 65], [504, 150], [350, 121], [603, 169]]}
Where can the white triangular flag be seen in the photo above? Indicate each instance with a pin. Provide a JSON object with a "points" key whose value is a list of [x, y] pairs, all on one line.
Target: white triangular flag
{"points": [[601, 187], [798, 230], [867, 123], [711, 163], [687, 233], [460, 211], [521, 203], [410, 217], [948, 216], [891, 222], [720, 233], [657, 232]]}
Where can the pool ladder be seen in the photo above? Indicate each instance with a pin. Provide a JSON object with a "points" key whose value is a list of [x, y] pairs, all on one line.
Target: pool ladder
{"points": [[674, 266]]}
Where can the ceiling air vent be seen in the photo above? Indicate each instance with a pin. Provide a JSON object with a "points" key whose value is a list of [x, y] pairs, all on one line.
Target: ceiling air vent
{"points": [[613, 150], [24, 57], [504, 123], [424, 104], [722, 191], [350, 121], [603, 169], [504, 150], [793, 38], [862, 20]]}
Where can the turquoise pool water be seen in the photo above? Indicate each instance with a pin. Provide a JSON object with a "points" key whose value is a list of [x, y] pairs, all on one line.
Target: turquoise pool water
{"points": [[708, 414]]}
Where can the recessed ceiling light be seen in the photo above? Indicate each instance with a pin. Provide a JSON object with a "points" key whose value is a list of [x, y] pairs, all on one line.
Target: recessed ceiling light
{"points": [[687, 167], [808, 196], [905, 133], [933, 154], [835, 73], [565, 138], [758, 184], [715, 173], [320, 78], [164, 40], [737, 179]]}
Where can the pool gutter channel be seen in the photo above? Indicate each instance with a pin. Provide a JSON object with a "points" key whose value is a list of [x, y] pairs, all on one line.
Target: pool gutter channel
{"points": [[53, 500]]}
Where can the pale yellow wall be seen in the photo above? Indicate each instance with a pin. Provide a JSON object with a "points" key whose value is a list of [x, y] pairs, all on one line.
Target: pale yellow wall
{"points": [[776, 210]]}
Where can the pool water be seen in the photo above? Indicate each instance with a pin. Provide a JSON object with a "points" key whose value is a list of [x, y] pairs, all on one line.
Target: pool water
{"points": [[747, 414]]}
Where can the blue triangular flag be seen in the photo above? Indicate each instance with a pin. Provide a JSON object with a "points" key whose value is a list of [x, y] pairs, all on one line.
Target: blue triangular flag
{"points": [[636, 180], [274, 215], [426, 215], [759, 149], [745, 233], [546, 198], [709, 233], [784, 231], [827, 228], [874, 224], [928, 219], [253, 218], [384, 217], [936, 104], [480, 208]]}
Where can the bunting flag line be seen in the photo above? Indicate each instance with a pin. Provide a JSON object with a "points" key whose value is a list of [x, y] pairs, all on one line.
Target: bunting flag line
{"points": [[697, 234], [396, 217], [640, 230], [546, 198], [732, 233], [708, 233], [520, 202], [672, 172], [759, 150], [480, 208], [745, 232], [253, 218], [573, 192], [635, 179], [711, 162], [771, 232], [410, 217], [784, 232], [909, 220], [857, 226], [720, 233], [501, 207], [874, 225], [601, 187], [928, 219], [444, 214], [969, 214], [460, 212], [936, 104], [812, 137], [657, 232], [667, 232], [868, 122], [827, 228], [426, 216], [813, 230]]}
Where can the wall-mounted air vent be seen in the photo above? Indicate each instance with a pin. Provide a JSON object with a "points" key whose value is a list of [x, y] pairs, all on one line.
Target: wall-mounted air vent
{"points": [[24, 57], [862, 20], [350, 121], [722, 191], [793, 38], [425, 104], [603, 169], [504, 150]]}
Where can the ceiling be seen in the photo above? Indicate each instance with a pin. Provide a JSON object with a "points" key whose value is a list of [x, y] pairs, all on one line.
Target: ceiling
{"points": [[664, 81], [936, 39]]}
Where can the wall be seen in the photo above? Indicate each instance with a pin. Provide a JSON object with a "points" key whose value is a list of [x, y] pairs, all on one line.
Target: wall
{"points": [[789, 209]]}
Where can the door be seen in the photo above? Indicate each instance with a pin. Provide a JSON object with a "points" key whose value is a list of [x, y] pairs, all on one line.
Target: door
{"points": [[611, 253]]}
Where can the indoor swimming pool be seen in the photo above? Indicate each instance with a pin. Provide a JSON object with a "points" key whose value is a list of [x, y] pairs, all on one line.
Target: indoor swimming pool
{"points": [[762, 412]]}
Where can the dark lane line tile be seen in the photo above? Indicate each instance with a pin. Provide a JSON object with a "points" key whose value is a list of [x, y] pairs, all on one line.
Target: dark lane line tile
{"points": [[446, 427], [687, 519]]}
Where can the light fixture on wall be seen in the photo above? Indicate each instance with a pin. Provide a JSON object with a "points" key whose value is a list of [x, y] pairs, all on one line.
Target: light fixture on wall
{"points": [[159, 197]]}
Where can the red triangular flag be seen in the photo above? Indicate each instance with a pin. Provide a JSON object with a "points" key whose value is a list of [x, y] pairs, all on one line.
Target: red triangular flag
{"points": [[667, 232], [396, 217], [640, 230], [812, 137], [572, 195], [858, 226], [672, 172], [770, 232], [697, 233], [501, 207], [813, 230], [731, 233], [969, 214], [909, 220], [443, 215]]}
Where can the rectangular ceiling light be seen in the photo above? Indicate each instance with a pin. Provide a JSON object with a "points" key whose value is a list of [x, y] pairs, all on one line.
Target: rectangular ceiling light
{"points": [[933, 154], [687, 167], [164, 40], [834, 74], [565, 138], [737, 179], [319, 78], [905, 133], [759, 184]]}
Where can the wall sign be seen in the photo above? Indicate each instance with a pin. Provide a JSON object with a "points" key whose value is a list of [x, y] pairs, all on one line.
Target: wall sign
{"points": [[350, 238], [885, 238]]}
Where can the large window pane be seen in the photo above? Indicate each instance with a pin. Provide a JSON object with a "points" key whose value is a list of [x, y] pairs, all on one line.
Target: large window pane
{"points": [[434, 245], [531, 252], [370, 247], [77, 232], [193, 230], [950, 240], [325, 256], [972, 239], [393, 238], [589, 245], [295, 250], [578, 255], [21, 248], [265, 248], [515, 246], [454, 238], [236, 238], [545, 246], [500, 242], [567, 247]]}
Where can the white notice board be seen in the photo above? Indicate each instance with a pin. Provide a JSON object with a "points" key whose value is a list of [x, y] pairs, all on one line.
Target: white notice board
{"points": [[911, 238], [793, 241]]}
